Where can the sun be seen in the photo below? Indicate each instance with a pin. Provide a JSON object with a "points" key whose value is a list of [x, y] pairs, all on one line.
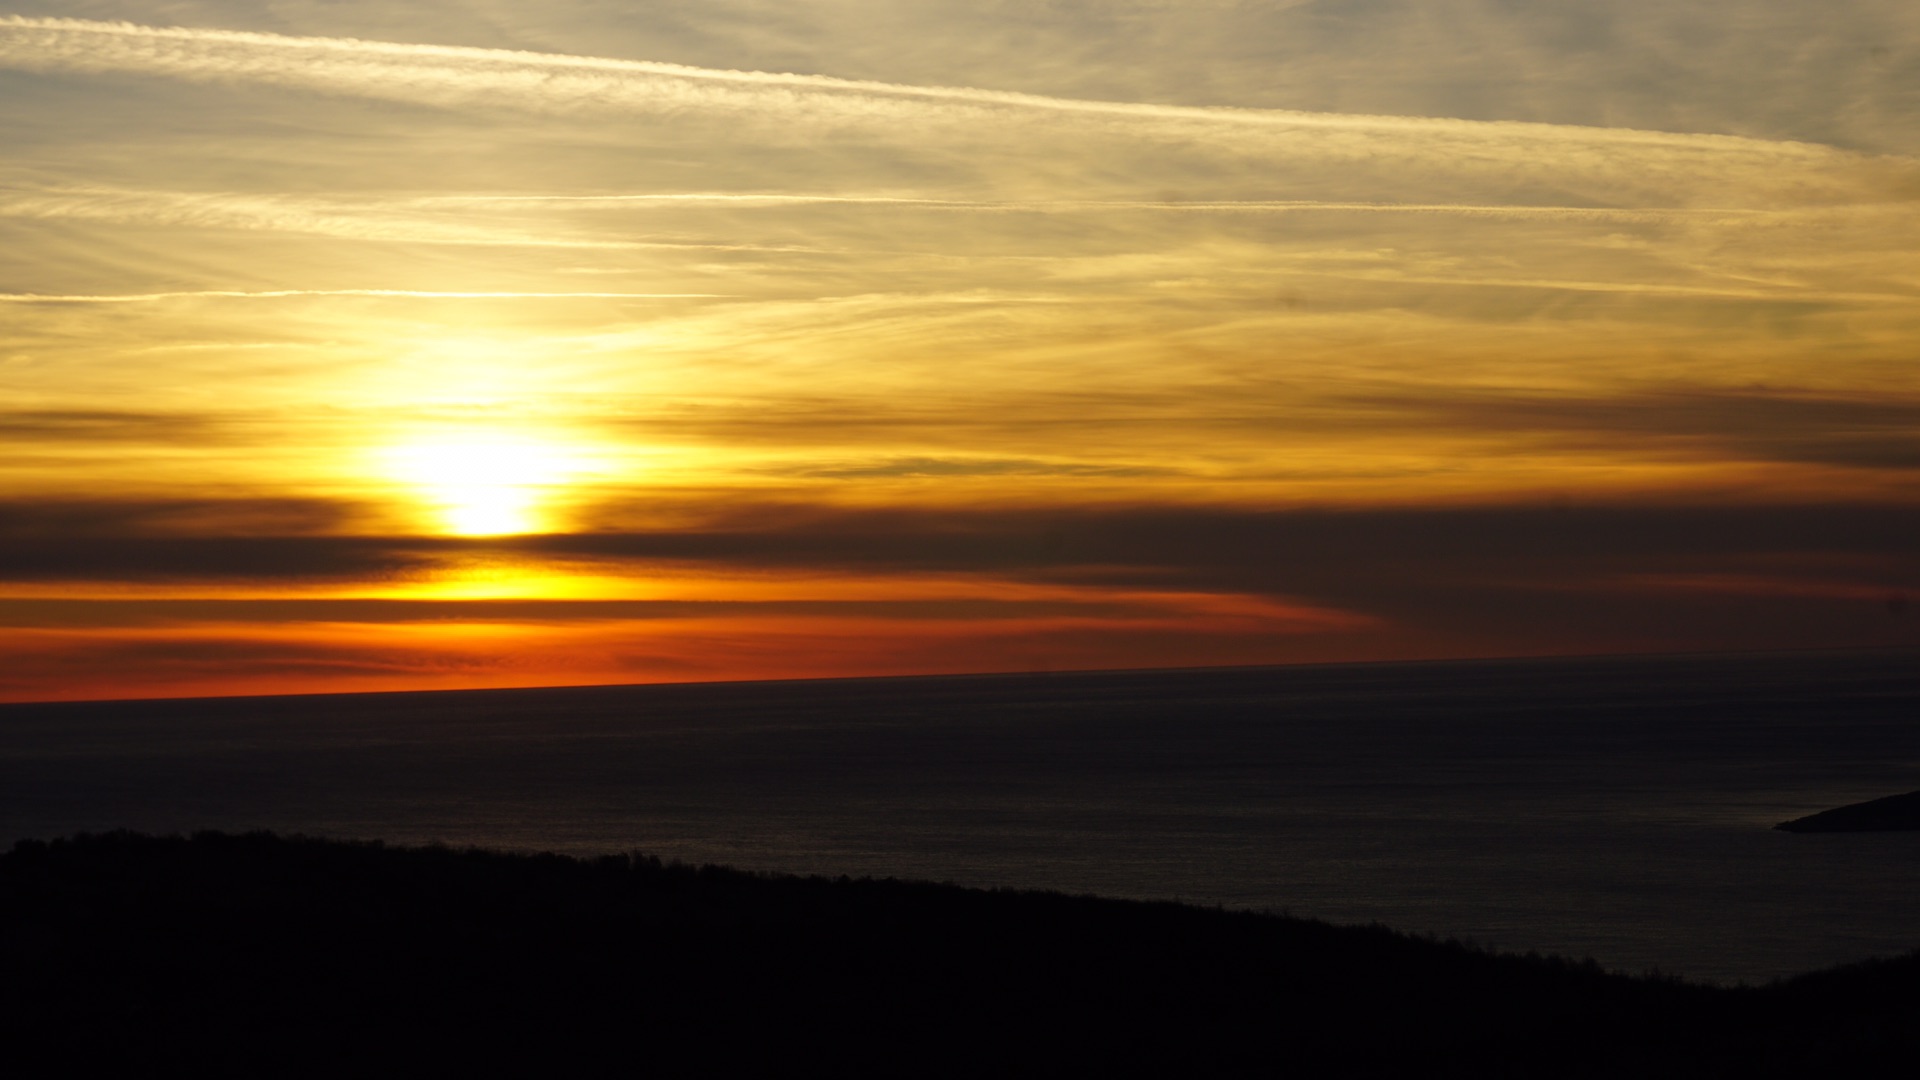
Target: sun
{"points": [[483, 484]]}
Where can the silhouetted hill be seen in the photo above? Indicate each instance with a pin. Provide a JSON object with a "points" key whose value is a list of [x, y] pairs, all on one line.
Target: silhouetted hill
{"points": [[257, 955], [1892, 813]]}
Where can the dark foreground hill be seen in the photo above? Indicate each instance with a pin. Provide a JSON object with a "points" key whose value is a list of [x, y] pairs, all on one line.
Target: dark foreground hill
{"points": [[1895, 812], [261, 956]]}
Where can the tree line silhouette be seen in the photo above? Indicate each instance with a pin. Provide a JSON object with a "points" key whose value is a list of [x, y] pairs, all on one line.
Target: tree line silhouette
{"points": [[259, 955]]}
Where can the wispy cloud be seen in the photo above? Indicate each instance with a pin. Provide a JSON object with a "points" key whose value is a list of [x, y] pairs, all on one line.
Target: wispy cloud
{"points": [[50, 523], [729, 200], [897, 468], [1862, 432], [1629, 160], [365, 219], [287, 294], [435, 70]]}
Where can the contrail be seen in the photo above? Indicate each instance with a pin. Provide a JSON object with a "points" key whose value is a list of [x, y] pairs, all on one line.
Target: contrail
{"points": [[378, 217], [446, 74], [281, 294], [1091, 206]]}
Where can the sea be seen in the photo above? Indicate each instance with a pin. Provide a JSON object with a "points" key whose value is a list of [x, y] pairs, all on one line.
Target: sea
{"points": [[1618, 808]]}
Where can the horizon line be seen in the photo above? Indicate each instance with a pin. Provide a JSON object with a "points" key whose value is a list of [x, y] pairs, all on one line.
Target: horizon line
{"points": [[1006, 674]]}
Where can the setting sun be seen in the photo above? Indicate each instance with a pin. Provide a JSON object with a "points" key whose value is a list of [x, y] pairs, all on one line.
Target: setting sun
{"points": [[483, 485]]}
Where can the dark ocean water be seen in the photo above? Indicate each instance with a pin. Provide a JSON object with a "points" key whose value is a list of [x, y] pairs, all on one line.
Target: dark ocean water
{"points": [[1616, 808]]}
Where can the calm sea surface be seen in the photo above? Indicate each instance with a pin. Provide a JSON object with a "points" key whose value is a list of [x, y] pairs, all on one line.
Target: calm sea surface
{"points": [[1613, 808]]}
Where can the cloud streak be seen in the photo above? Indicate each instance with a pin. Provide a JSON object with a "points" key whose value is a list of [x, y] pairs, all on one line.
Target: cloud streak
{"points": [[362, 220], [456, 76], [727, 200], [985, 589], [288, 294], [104, 46], [1875, 433], [1235, 549]]}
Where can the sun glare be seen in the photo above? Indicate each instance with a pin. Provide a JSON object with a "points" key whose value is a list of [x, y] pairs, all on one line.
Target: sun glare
{"points": [[484, 485]]}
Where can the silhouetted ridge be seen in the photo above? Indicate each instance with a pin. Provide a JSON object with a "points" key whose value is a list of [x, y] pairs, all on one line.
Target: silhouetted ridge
{"points": [[257, 955], [1895, 812]]}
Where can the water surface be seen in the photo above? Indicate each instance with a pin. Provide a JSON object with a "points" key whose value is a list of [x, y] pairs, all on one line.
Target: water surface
{"points": [[1616, 808]]}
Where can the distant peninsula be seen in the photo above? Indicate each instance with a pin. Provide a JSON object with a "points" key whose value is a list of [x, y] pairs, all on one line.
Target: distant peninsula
{"points": [[258, 955], [1895, 812]]}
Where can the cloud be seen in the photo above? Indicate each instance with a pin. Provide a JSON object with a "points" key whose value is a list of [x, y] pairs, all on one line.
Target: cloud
{"points": [[234, 210], [371, 220], [207, 540], [1857, 432], [1834, 72], [58, 520], [292, 294], [405, 218], [1700, 423], [895, 468], [168, 612], [1331, 556], [1114, 586], [108, 426], [174, 661], [1250, 548], [208, 559], [95, 663], [1642, 164]]}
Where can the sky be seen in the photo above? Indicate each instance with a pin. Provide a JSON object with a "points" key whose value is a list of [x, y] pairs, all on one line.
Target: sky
{"points": [[358, 346]]}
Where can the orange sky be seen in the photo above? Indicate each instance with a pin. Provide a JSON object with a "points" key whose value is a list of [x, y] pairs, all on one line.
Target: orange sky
{"points": [[345, 349]]}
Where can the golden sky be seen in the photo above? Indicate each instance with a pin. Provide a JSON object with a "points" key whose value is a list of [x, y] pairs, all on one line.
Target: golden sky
{"points": [[351, 345]]}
